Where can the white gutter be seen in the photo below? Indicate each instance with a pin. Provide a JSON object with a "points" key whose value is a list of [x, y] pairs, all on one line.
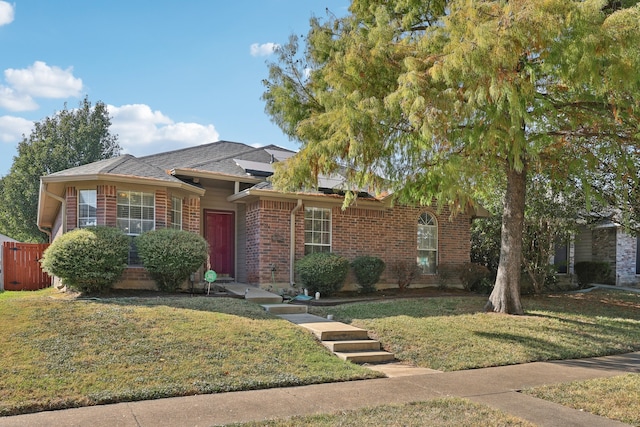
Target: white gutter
{"points": [[63, 207], [292, 243]]}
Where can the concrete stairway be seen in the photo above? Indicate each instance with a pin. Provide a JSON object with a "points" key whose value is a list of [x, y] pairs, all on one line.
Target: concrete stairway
{"points": [[252, 293], [345, 341]]}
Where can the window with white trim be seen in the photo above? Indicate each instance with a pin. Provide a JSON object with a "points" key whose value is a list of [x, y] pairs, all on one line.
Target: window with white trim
{"points": [[317, 230], [135, 215], [176, 213], [87, 208], [427, 243]]}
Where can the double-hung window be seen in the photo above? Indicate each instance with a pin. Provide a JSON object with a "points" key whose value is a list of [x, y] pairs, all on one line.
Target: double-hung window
{"points": [[135, 215], [176, 213], [427, 243], [87, 208], [317, 230]]}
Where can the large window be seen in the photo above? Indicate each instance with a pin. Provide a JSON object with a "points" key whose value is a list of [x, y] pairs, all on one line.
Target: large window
{"points": [[135, 215], [176, 213], [427, 243], [317, 230], [87, 208]]}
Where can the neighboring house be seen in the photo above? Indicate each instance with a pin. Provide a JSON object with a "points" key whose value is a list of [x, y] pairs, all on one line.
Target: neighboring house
{"points": [[608, 242], [219, 190], [3, 239]]}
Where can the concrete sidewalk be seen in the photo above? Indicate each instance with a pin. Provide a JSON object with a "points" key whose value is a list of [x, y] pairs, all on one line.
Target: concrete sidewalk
{"points": [[496, 387]]}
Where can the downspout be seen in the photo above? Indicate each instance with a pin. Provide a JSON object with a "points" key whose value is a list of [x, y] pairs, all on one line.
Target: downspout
{"points": [[63, 202], [292, 243]]}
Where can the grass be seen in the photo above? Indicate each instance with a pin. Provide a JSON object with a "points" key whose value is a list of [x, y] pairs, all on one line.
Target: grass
{"points": [[451, 334], [438, 413], [61, 353], [615, 398]]}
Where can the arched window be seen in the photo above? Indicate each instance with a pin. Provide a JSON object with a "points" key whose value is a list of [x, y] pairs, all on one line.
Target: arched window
{"points": [[427, 243]]}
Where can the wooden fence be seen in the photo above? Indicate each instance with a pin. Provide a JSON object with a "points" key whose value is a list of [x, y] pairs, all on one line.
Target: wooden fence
{"points": [[21, 266]]}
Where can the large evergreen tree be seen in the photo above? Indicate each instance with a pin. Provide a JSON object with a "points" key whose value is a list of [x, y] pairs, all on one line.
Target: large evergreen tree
{"points": [[438, 96], [68, 138]]}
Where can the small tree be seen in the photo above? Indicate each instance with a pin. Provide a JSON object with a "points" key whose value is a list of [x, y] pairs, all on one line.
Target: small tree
{"points": [[368, 270], [170, 255], [405, 272], [88, 260], [322, 272]]}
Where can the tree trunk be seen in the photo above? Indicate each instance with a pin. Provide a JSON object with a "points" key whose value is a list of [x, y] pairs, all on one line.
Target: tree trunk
{"points": [[505, 297]]}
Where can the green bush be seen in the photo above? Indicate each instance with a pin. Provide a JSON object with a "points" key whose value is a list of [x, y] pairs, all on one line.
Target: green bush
{"points": [[322, 272], [405, 271], [593, 272], [474, 277], [367, 270], [88, 260], [170, 255]]}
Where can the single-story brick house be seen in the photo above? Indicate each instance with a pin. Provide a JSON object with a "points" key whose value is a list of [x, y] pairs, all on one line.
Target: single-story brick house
{"points": [[604, 241], [220, 190]]}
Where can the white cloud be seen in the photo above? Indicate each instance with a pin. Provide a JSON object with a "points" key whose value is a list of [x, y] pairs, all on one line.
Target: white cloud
{"points": [[264, 49], [12, 129], [41, 80], [13, 101], [142, 131], [7, 13]]}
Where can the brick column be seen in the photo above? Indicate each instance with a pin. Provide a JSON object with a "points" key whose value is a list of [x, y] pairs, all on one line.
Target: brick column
{"points": [[192, 215], [162, 211], [107, 205], [71, 198]]}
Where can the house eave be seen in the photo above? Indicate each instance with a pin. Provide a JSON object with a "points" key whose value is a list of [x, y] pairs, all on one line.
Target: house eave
{"points": [[197, 173], [251, 194]]}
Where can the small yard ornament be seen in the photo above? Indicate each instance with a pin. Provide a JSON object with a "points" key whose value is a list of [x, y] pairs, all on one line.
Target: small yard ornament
{"points": [[210, 277]]}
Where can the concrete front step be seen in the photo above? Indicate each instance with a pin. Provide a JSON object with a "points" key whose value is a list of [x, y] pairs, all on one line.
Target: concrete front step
{"points": [[285, 308], [352, 345], [336, 331], [366, 356], [252, 293]]}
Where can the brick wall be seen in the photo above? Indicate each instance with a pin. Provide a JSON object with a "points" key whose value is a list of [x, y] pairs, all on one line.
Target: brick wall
{"points": [[107, 205], [390, 234], [162, 210], [626, 259], [71, 198], [135, 278]]}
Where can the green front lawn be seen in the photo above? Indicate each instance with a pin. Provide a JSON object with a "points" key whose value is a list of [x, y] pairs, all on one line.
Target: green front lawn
{"points": [[445, 412], [450, 334], [616, 398], [59, 353]]}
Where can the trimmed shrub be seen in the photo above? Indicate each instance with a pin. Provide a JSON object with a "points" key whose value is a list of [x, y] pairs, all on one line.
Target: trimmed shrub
{"points": [[170, 255], [88, 260], [474, 277], [367, 270], [322, 272], [405, 272], [593, 272]]}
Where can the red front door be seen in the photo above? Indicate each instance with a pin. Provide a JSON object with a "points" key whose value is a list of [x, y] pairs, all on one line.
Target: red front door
{"points": [[220, 232]]}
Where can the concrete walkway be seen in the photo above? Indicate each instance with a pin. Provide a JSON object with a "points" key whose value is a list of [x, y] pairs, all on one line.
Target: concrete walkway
{"points": [[496, 387]]}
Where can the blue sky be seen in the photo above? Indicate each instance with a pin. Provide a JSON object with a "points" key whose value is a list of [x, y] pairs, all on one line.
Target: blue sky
{"points": [[173, 73]]}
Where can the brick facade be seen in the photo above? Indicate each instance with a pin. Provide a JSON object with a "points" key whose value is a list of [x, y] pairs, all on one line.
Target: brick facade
{"points": [[71, 199], [107, 205], [390, 234], [106, 214]]}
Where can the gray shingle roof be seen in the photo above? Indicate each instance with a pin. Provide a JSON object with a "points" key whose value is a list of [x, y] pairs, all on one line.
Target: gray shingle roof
{"points": [[216, 157], [125, 165]]}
